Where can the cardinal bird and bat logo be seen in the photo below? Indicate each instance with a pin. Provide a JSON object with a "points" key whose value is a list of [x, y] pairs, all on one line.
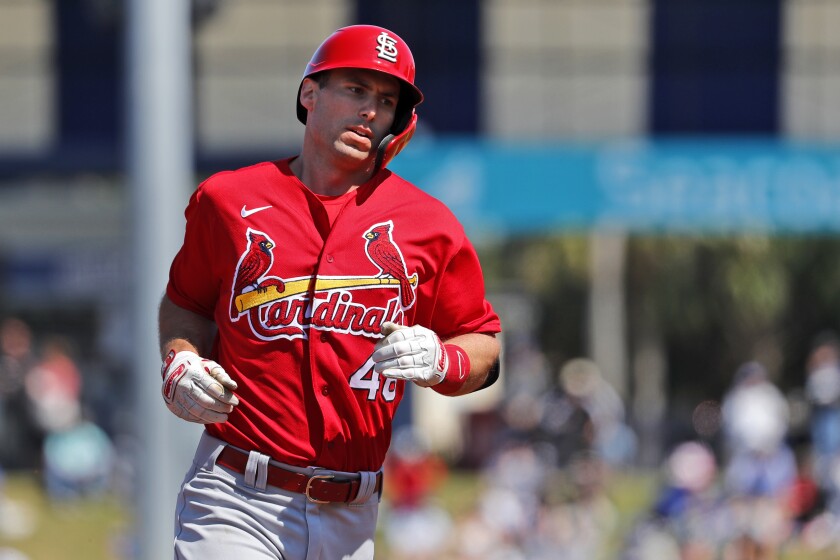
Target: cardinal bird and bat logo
{"points": [[254, 263], [383, 252], [288, 307]]}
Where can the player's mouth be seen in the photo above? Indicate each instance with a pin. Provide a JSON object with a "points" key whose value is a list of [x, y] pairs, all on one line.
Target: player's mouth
{"points": [[360, 137], [361, 131]]}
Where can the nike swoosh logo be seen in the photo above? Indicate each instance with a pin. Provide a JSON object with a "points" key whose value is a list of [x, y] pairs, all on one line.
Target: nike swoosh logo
{"points": [[245, 213], [461, 371]]}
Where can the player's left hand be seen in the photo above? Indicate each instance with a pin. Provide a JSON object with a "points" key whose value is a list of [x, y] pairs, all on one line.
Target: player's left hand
{"points": [[411, 353]]}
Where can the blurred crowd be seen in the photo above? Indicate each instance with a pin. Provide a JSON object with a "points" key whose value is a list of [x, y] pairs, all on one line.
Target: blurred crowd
{"points": [[763, 482], [48, 425]]}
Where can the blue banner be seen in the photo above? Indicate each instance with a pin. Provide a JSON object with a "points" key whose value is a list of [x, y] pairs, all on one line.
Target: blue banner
{"points": [[678, 185]]}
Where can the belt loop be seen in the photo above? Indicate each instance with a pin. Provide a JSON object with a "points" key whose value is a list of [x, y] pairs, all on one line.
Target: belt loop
{"points": [[251, 469], [256, 471], [367, 484], [262, 472]]}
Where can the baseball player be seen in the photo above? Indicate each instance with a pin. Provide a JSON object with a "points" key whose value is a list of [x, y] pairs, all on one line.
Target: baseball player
{"points": [[307, 294]]}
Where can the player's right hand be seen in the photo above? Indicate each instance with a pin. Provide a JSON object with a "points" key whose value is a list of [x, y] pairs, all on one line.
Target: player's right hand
{"points": [[196, 389], [410, 353]]}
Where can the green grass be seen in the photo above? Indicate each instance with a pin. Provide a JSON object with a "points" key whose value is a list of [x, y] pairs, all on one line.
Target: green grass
{"points": [[85, 529]]}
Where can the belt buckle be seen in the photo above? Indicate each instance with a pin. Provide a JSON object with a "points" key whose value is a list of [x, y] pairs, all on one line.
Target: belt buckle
{"points": [[309, 487]]}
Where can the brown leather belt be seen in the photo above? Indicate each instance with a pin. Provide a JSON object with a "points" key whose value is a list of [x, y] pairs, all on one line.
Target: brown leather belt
{"points": [[318, 488]]}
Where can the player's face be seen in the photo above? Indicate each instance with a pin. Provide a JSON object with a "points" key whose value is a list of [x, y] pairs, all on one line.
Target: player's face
{"points": [[353, 111]]}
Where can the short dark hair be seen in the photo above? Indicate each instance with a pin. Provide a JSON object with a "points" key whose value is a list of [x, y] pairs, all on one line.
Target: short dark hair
{"points": [[321, 78]]}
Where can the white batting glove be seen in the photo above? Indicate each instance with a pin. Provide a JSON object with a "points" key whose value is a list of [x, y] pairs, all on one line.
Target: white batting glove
{"points": [[411, 353], [196, 389]]}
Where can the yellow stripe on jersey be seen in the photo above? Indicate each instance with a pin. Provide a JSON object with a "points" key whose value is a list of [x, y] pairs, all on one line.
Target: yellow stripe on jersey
{"points": [[248, 300]]}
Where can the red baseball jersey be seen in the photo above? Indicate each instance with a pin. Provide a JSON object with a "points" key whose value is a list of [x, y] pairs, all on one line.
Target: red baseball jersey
{"points": [[299, 301]]}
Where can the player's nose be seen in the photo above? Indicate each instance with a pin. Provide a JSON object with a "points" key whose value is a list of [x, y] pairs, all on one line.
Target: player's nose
{"points": [[368, 109]]}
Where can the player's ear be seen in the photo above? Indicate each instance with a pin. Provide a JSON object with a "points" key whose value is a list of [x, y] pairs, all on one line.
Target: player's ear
{"points": [[308, 91]]}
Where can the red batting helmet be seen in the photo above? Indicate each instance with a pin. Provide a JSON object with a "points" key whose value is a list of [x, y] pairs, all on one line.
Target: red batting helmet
{"points": [[372, 48]]}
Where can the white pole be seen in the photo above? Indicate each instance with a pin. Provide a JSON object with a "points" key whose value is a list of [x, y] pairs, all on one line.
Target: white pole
{"points": [[607, 331], [159, 119]]}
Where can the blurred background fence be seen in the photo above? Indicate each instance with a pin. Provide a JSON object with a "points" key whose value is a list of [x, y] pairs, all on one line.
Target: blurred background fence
{"points": [[653, 187]]}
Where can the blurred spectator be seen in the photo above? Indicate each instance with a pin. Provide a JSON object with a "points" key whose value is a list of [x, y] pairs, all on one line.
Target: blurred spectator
{"points": [[414, 471], [579, 526], [19, 437], [586, 413], [689, 516], [508, 508], [77, 455], [805, 501], [562, 423], [53, 387], [755, 423], [822, 389], [761, 467], [78, 461], [530, 510], [514, 481], [415, 527]]}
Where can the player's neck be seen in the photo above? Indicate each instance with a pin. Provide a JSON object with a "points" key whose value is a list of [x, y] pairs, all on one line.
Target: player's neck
{"points": [[327, 178]]}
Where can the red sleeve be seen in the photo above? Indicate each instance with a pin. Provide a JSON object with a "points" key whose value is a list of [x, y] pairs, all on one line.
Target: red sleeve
{"points": [[192, 284], [461, 306]]}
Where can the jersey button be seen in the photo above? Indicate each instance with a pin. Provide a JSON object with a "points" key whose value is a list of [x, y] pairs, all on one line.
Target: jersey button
{"points": [[325, 391], [330, 258], [323, 337]]}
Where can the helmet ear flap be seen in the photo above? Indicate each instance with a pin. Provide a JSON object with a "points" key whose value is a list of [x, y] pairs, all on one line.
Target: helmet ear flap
{"points": [[392, 144]]}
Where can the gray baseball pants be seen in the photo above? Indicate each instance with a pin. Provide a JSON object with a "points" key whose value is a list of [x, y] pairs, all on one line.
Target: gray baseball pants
{"points": [[220, 516]]}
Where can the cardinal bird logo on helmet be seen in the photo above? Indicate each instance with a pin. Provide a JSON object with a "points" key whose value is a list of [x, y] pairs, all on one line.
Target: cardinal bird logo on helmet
{"points": [[382, 252]]}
